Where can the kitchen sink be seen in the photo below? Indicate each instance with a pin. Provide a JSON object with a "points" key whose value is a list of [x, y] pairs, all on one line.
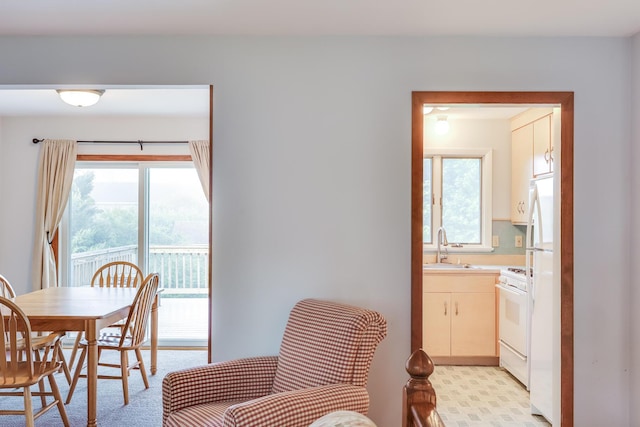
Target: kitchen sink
{"points": [[442, 265]]}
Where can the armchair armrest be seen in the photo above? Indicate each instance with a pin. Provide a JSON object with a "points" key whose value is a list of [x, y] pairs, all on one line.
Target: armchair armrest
{"points": [[240, 379], [298, 408]]}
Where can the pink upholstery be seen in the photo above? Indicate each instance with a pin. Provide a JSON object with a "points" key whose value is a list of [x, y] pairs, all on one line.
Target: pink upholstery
{"points": [[322, 367]]}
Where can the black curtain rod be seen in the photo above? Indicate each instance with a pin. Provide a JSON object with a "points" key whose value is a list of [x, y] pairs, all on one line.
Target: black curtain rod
{"points": [[139, 142]]}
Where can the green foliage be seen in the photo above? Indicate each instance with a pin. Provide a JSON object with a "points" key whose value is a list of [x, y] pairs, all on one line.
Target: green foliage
{"points": [[426, 201], [461, 199], [175, 218]]}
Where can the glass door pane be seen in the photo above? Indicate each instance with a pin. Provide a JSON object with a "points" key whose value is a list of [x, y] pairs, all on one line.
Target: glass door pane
{"points": [[178, 230], [103, 225]]}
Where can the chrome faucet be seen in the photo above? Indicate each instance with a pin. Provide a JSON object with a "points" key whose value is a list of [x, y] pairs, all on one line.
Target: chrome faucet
{"points": [[442, 240]]}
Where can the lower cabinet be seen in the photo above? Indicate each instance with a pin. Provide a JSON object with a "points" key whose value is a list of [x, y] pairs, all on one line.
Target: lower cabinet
{"points": [[459, 318]]}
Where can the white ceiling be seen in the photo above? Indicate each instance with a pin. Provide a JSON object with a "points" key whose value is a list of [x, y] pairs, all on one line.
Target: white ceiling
{"points": [[326, 17]]}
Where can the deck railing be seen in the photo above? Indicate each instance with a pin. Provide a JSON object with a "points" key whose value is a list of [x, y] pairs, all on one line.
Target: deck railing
{"points": [[183, 268]]}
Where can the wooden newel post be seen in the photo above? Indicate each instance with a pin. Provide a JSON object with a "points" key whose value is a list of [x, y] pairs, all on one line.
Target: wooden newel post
{"points": [[418, 395]]}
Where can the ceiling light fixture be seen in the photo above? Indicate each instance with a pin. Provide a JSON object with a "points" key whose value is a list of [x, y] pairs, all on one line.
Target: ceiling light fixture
{"points": [[426, 109], [442, 125], [80, 97]]}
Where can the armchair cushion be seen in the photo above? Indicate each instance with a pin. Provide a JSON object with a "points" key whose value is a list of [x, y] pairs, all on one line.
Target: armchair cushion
{"points": [[298, 408]]}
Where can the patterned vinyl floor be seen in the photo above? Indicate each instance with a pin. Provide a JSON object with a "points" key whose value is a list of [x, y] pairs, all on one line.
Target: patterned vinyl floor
{"points": [[478, 396]]}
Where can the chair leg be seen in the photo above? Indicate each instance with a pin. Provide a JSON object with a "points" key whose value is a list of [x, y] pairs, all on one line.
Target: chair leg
{"points": [[76, 375], [58, 398], [143, 372], [76, 344], [28, 408], [43, 398], [124, 372], [64, 366]]}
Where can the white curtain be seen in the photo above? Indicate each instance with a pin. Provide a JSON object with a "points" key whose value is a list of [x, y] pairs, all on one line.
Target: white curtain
{"points": [[57, 163], [202, 160]]}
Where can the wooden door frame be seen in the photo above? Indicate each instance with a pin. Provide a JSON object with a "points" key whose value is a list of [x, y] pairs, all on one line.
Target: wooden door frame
{"points": [[565, 100], [210, 273]]}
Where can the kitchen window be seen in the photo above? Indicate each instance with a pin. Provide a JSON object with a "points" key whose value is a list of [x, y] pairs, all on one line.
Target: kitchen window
{"points": [[457, 196]]}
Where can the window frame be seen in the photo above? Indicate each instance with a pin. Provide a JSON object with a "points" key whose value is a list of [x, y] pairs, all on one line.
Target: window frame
{"points": [[486, 200]]}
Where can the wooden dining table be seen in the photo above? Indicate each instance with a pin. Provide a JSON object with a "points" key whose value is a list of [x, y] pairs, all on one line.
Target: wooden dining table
{"points": [[87, 309]]}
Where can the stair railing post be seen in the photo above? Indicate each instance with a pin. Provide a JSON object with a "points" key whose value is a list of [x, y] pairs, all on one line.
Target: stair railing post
{"points": [[418, 397]]}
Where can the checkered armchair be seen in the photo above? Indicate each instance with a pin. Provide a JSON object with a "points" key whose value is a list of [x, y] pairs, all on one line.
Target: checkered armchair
{"points": [[322, 367]]}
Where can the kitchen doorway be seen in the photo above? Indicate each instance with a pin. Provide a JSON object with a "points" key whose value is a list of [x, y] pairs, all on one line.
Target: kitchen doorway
{"points": [[565, 173]]}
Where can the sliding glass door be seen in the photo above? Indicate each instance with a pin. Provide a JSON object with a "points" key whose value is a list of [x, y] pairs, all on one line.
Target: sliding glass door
{"points": [[178, 248], [151, 214]]}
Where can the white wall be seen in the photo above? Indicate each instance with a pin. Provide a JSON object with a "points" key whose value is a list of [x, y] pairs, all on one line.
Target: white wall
{"points": [[19, 163], [2, 181], [312, 147], [634, 250]]}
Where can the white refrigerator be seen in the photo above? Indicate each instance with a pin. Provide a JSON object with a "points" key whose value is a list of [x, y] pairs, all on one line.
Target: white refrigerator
{"points": [[539, 257]]}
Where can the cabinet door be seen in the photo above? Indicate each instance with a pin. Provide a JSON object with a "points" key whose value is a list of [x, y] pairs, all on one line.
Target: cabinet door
{"points": [[542, 148], [436, 323], [521, 172], [473, 327]]}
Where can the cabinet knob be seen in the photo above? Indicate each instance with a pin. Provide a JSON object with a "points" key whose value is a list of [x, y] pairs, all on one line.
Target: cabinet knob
{"points": [[445, 308], [456, 308]]}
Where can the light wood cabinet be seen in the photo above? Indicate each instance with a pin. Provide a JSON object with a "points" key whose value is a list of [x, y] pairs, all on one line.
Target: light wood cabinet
{"points": [[531, 156], [473, 324], [459, 317], [436, 307], [542, 146], [521, 172]]}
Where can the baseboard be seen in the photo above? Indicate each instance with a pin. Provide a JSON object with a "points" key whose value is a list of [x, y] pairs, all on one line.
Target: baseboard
{"points": [[466, 360]]}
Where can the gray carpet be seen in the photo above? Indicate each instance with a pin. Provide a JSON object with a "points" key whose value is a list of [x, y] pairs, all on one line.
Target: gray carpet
{"points": [[145, 405]]}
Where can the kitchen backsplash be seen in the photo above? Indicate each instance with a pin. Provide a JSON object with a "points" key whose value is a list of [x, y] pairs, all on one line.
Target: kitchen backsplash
{"points": [[507, 233], [505, 254]]}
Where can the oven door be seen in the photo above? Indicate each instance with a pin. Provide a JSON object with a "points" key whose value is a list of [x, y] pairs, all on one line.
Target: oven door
{"points": [[513, 318]]}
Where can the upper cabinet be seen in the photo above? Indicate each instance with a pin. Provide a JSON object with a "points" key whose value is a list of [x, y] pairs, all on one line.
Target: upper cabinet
{"points": [[521, 172], [531, 156], [542, 146]]}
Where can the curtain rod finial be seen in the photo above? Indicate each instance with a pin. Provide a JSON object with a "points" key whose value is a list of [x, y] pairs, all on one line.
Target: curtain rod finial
{"points": [[36, 140]]}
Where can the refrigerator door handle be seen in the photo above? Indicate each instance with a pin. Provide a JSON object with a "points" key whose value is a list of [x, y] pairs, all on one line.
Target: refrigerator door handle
{"points": [[530, 285]]}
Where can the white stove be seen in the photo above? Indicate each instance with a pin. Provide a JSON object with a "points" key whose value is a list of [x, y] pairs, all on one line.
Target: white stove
{"points": [[514, 322], [514, 276]]}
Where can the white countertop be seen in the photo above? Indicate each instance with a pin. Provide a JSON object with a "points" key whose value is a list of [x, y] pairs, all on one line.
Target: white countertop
{"points": [[471, 269]]}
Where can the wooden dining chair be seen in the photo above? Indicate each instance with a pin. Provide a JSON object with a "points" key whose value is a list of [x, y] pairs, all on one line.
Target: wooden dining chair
{"points": [[120, 274], [18, 369], [131, 338], [6, 290], [39, 342]]}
